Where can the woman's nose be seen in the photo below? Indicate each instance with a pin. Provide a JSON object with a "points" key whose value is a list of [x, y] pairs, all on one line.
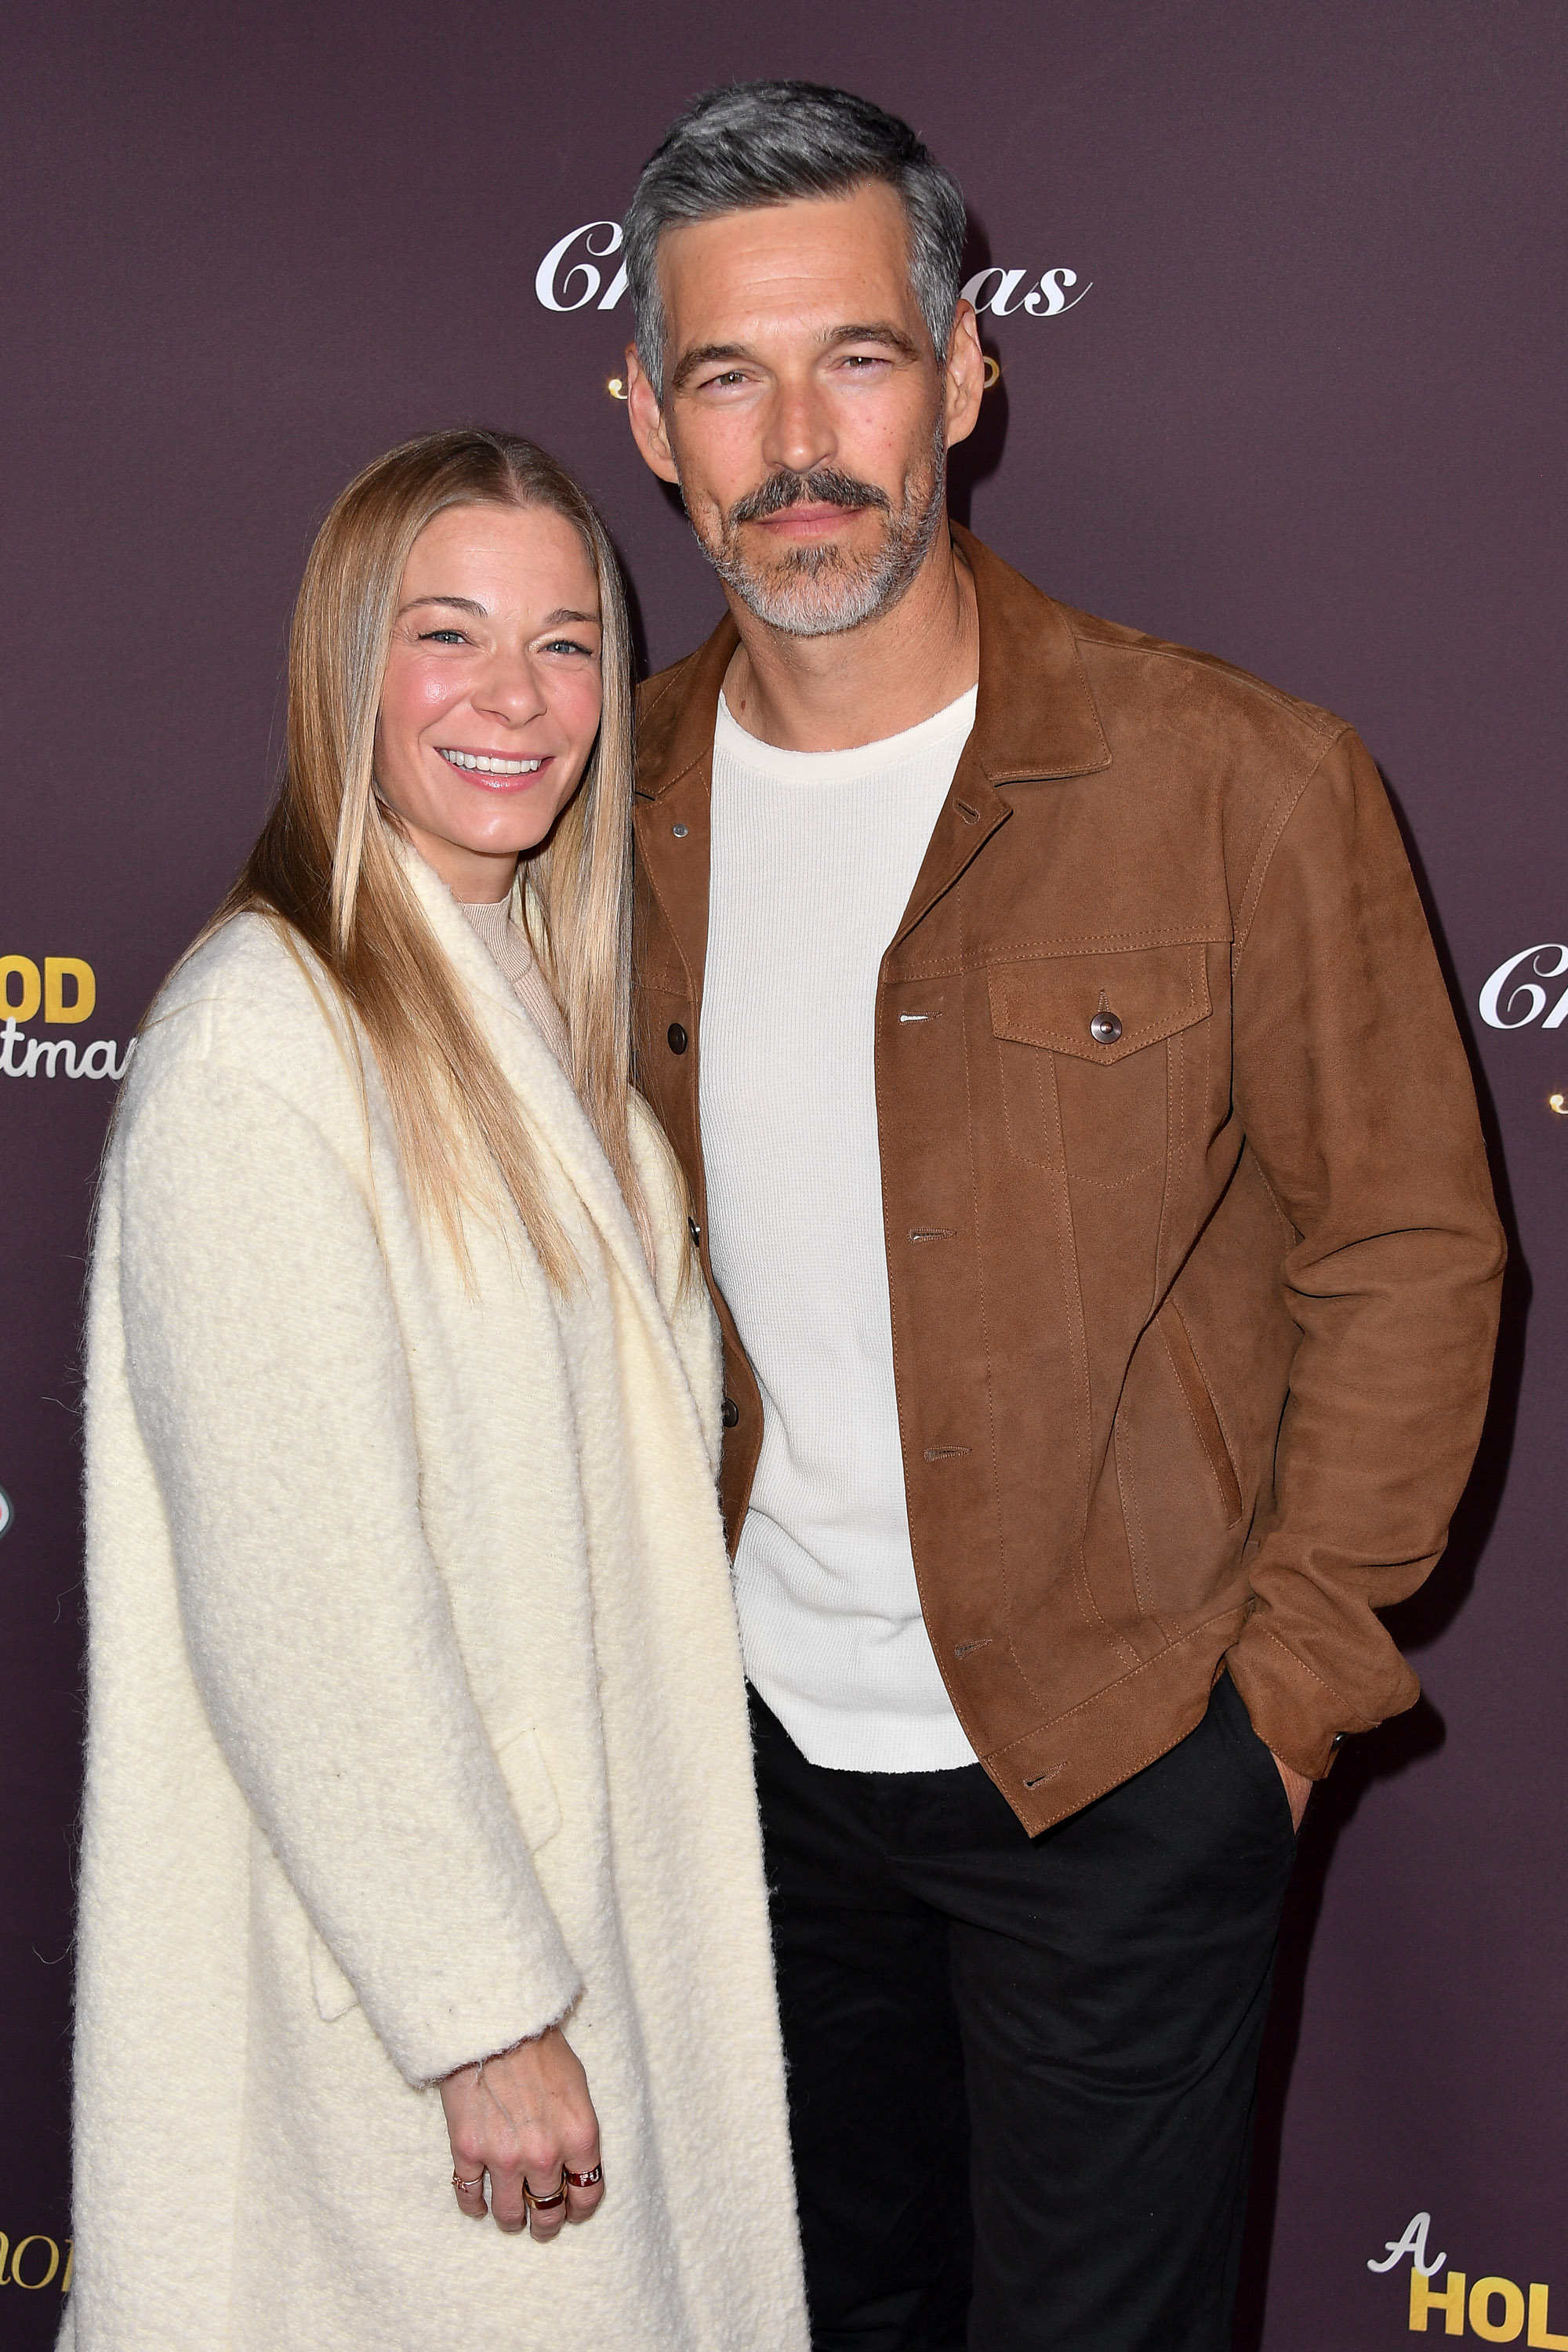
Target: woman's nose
{"points": [[510, 690]]}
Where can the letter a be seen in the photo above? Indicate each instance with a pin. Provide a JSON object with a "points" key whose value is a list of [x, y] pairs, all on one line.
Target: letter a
{"points": [[1450, 2303], [1413, 2244]]}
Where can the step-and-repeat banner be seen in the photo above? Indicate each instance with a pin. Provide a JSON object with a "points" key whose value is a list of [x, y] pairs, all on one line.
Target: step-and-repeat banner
{"points": [[1274, 295]]}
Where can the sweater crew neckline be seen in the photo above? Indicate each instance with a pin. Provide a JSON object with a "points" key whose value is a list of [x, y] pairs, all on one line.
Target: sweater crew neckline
{"points": [[810, 768]]}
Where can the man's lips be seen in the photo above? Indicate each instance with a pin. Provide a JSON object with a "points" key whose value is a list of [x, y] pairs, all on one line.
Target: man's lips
{"points": [[495, 771], [805, 520]]}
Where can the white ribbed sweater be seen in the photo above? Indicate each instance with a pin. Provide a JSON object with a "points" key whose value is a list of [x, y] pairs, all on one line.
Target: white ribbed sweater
{"points": [[813, 858]]}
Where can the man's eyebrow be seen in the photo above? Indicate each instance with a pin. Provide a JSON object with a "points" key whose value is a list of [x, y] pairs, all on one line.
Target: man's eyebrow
{"points": [[877, 331], [880, 330], [703, 355]]}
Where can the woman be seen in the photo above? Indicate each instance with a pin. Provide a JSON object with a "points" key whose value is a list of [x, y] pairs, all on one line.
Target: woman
{"points": [[420, 1853]]}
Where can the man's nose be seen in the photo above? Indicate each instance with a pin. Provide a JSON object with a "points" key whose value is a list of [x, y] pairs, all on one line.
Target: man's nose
{"points": [[799, 431]]}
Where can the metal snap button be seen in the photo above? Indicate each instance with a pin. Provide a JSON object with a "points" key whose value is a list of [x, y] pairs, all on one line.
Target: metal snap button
{"points": [[730, 1415], [678, 831], [1105, 1028], [676, 1036]]}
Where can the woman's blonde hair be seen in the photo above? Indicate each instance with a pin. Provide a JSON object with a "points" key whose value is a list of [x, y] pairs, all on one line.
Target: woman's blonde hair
{"points": [[325, 864]]}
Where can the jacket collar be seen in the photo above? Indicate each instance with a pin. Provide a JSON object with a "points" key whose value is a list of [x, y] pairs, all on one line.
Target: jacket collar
{"points": [[1035, 714]]}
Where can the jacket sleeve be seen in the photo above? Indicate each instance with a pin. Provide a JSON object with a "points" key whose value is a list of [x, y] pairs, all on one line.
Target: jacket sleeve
{"points": [[269, 1378], [1355, 1097]]}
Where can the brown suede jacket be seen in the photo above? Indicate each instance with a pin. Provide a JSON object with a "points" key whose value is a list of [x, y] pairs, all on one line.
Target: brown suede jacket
{"points": [[1193, 1261]]}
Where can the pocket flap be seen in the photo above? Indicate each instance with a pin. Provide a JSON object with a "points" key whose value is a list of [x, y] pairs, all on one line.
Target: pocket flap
{"points": [[538, 1810], [334, 1994], [529, 1785], [1152, 991]]}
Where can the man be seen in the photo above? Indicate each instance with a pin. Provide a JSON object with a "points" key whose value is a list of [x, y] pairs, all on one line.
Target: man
{"points": [[1087, 1169]]}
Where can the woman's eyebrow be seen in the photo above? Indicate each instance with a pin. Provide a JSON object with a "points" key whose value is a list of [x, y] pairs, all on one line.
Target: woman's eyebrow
{"points": [[563, 612]]}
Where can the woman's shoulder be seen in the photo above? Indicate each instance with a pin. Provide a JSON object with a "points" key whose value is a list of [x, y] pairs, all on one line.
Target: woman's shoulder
{"points": [[251, 1000]]}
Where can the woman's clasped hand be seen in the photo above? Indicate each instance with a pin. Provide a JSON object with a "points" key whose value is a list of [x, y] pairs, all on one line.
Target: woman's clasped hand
{"points": [[525, 2118]]}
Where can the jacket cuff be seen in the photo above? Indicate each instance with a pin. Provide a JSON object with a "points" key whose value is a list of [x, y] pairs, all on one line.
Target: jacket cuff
{"points": [[1302, 1717]]}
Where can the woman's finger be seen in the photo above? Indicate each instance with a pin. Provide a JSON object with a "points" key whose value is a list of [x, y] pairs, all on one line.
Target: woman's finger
{"points": [[584, 2177], [468, 2187], [509, 2206], [547, 2194]]}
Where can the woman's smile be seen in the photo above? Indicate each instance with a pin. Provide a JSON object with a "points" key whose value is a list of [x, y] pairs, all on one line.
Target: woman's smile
{"points": [[498, 772]]}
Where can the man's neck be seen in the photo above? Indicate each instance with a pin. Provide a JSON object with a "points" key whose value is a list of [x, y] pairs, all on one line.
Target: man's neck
{"points": [[833, 694]]}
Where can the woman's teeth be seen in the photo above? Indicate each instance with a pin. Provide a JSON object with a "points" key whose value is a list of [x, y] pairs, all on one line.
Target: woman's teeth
{"points": [[484, 765]]}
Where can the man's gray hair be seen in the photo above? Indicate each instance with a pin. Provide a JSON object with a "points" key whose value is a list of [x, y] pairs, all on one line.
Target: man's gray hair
{"points": [[769, 143]]}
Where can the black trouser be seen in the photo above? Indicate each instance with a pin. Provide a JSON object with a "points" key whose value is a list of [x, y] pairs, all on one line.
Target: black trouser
{"points": [[1022, 2069]]}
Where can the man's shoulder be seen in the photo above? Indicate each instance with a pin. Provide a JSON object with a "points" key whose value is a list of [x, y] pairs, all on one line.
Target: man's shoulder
{"points": [[1140, 684], [1142, 669]]}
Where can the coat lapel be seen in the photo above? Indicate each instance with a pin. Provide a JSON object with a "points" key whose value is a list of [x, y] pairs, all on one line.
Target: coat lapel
{"points": [[547, 1095]]}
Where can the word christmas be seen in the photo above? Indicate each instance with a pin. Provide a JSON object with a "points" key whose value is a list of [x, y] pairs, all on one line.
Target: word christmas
{"points": [[569, 279]]}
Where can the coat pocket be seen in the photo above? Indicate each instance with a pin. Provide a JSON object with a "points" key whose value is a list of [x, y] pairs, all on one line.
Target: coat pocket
{"points": [[538, 1811], [529, 1785], [1102, 1018], [334, 1994]]}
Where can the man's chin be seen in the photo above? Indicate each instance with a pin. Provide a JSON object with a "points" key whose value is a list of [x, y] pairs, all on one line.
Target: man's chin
{"points": [[801, 608], [817, 594]]}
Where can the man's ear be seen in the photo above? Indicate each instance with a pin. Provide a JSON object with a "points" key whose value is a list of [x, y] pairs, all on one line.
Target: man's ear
{"points": [[965, 376], [648, 419]]}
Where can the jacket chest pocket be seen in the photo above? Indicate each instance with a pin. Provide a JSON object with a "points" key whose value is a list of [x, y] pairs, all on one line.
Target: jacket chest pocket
{"points": [[1094, 1053]]}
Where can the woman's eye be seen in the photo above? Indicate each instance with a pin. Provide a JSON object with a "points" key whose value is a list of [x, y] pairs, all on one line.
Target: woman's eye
{"points": [[567, 645], [442, 637]]}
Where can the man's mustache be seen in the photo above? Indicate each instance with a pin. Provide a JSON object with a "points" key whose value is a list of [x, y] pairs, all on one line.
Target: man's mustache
{"points": [[823, 485]]}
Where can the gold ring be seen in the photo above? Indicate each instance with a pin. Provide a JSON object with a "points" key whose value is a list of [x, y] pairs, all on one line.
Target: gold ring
{"points": [[547, 2204], [467, 2186]]}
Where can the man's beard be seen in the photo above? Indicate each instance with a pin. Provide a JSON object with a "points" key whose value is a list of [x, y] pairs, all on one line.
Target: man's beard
{"points": [[818, 592]]}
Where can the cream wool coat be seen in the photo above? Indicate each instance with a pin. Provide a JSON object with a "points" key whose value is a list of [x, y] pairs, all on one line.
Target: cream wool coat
{"points": [[416, 1722]]}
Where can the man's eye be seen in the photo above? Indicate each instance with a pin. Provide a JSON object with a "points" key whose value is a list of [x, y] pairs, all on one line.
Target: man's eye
{"points": [[731, 376]]}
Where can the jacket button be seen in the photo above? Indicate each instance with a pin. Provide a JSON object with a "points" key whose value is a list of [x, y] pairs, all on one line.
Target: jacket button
{"points": [[1105, 1028], [730, 1415], [678, 831], [676, 1036]]}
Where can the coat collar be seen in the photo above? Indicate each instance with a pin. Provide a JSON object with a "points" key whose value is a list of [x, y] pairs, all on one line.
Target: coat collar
{"points": [[549, 1099], [1035, 715]]}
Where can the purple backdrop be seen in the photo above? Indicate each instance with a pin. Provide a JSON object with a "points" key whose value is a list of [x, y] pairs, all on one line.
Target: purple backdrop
{"points": [[1281, 373]]}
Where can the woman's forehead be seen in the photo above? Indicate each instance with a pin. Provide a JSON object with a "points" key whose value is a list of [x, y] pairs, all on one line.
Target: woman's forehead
{"points": [[503, 543]]}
